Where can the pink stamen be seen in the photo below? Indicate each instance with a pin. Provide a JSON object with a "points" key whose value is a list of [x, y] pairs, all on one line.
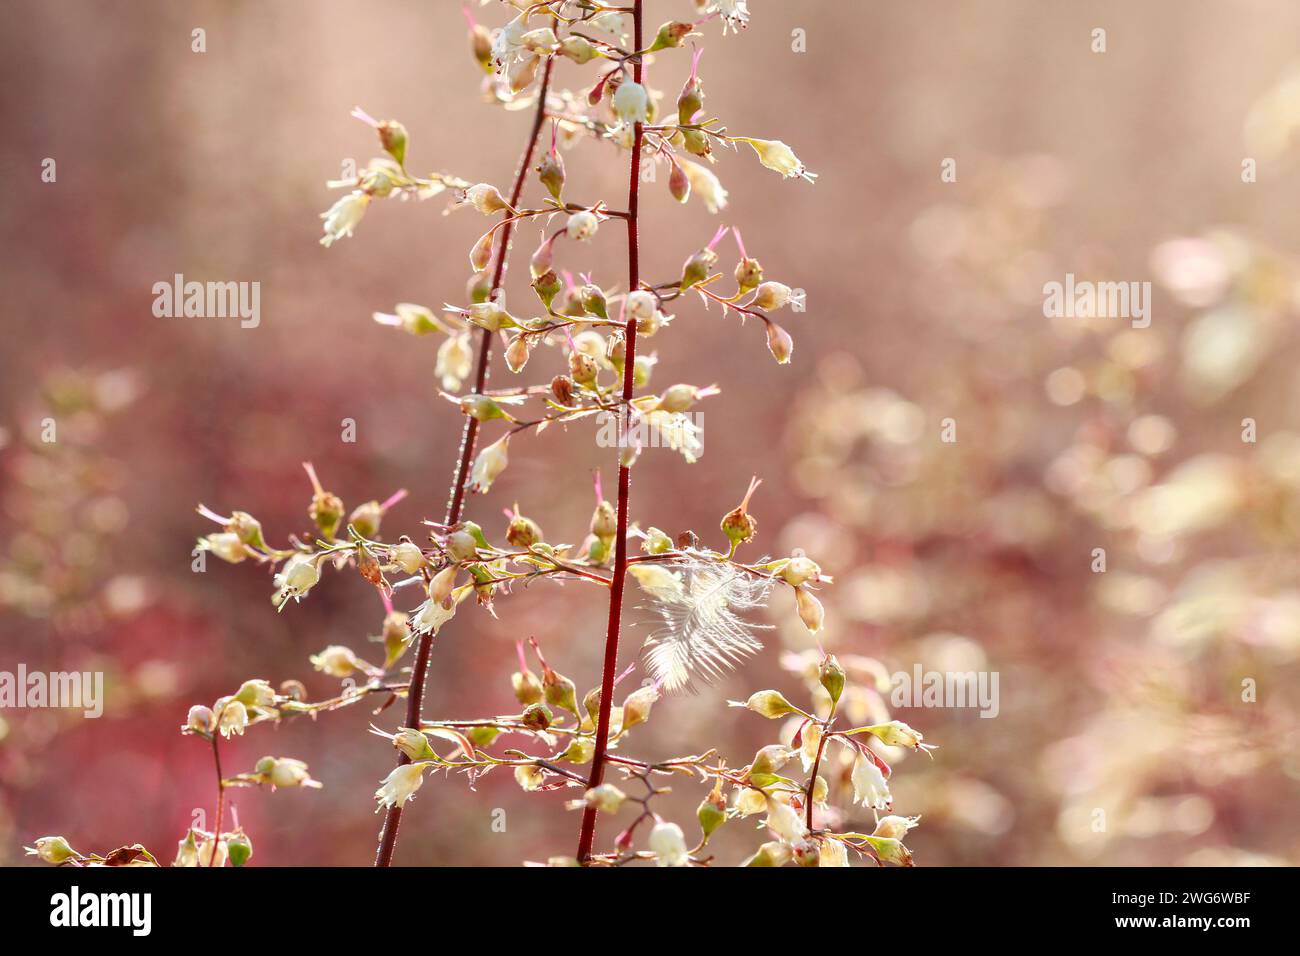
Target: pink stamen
{"points": [[740, 243], [359, 113], [469, 15], [311, 473], [630, 669], [394, 498], [523, 661], [722, 231], [212, 515], [596, 481], [695, 57], [387, 599]]}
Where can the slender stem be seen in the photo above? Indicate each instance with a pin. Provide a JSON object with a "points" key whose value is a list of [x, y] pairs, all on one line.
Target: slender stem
{"points": [[221, 796], [588, 833], [812, 780], [415, 695]]}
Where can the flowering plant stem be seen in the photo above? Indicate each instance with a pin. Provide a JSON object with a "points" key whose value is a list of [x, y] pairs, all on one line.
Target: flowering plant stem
{"points": [[221, 799], [619, 573], [455, 504]]}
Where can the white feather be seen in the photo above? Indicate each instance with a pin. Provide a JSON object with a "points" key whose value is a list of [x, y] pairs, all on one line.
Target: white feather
{"points": [[702, 633]]}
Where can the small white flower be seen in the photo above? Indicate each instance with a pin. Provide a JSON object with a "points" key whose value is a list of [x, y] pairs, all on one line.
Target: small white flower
{"points": [[833, 853], [225, 545], [408, 557], [509, 43], [343, 216], [777, 156], [869, 786], [705, 184], [894, 828], [234, 718], [669, 845], [640, 304], [582, 226], [298, 576], [489, 464], [486, 198], [631, 102], [455, 361], [400, 785], [336, 661], [288, 772], [430, 616], [784, 821], [735, 14], [207, 856], [772, 296]]}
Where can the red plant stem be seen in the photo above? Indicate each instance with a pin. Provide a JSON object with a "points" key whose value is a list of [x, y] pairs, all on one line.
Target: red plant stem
{"points": [[221, 797], [415, 694], [588, 833], [812, 781]]}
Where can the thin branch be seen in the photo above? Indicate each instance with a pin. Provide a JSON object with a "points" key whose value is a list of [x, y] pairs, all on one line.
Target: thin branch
{"points": [[619, 574], [415, 696]]}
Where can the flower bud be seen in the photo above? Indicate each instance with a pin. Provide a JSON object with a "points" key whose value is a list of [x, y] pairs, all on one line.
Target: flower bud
{"points": [[779, 157], [326, 511], [631, 102], [489, 464], [461, 545], [750, 802], [365, 518], [582, 226], [775, 295], [541, 41], [52, 849], [697, 142], [336, 661], [807, 852], [831, 675], [774, 853], [582, 368], [547, 286], [562, 389], [529, 777], [286, 773], [200, 720], [560, 691], [442, 584], [591, 704], [690, 100], [480, 45], [413, 743], [580, 750], [551, 172], [894, 828], [656, 542], [738, 524], [640, 304], [799, 570], [679, 184], [604, 521], [527, 687], [187, 851], [256, 693], [712, 812], [478, 290], [247, 528], [779, 343], [770, 759], [396, 636], [668, 843], [480, 256], [606, 798], [239, 847], [225, 545], [542, 259], [523, 532], [392, 136], [810, 610], [577, 49], [536, 716], [767, 703], [636, 708], [890, 851], [671, 35], [641, 370], [895, 733], [408, 557], [698, 267], [749, 274], [593, 300], [486, 198]]}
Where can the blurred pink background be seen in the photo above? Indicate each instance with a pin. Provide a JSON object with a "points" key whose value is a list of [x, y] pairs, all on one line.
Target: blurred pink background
{"points": [[1120, 691]]}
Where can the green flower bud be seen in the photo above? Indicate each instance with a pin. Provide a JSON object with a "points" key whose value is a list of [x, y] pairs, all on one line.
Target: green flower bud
{"points": [[831, 675]]}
